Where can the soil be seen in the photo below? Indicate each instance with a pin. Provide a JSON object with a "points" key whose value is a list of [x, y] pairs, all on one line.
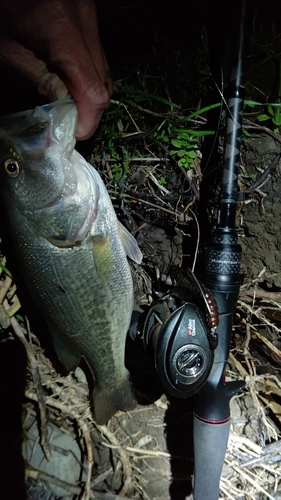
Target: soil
{"points": [[148, 453], [260, 218]]}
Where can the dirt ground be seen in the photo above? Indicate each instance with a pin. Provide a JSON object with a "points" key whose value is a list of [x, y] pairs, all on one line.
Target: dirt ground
{"points": [[147, 454]]}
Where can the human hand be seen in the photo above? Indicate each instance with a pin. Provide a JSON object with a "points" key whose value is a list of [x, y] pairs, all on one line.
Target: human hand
{"points": [[49, 48]]}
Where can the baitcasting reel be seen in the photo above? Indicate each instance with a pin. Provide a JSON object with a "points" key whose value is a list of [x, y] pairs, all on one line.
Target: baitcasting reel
{"points": [[180, 338]]}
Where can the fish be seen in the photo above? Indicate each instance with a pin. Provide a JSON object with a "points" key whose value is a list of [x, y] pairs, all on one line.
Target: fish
{"points": [[70, 246]]}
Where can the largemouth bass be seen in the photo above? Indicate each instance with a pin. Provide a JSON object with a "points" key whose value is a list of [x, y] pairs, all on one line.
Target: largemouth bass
{"points": [[70, 246]]}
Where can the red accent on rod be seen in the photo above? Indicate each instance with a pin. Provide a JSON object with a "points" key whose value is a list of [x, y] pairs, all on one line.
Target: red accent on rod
{"points": [[213, 422]]}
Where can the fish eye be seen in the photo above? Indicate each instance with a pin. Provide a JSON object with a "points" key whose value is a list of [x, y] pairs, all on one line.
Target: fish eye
{"points": [[11, 168]]}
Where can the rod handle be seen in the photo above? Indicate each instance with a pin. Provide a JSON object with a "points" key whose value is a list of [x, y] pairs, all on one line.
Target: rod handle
{"points": [[210, 443]]}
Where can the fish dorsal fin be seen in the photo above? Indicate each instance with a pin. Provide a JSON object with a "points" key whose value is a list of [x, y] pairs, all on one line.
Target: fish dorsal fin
{"points": [[129, 243]]}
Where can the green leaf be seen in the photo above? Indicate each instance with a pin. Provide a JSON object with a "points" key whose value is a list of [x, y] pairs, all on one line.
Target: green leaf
{"points": [[142, 95], [194, 133], [5, 270], [263, 117], [201, 111], [277, 118], [192, 154], [184, 162], [252, 104], [181, 153], [248, 134], [182, 134], [277, 121], [176, 143]]}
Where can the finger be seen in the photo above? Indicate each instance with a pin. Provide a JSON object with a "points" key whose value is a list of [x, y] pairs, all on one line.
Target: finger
{"points": [[86, 77], [59, 43], [90, 94], [75, 53], [24, 77], [89, 26]]}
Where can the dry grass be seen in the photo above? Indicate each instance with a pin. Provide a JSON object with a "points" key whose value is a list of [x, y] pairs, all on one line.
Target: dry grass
{"points": [[253, 461]]}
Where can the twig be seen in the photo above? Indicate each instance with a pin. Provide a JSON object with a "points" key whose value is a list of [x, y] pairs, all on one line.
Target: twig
{"points": [[225, 490], [269, 377], [264, 176], [238, 365], [271, 453], [248, 125], [5, 287], [88, 444], [267, 342], [259, 315], [54, 403], [37, 385], [162, 188], [36, 473], [249, 479], [149, 112], [139, 200], [252, 369], [127, 469], [142, 451], [13, 308], [132, 119], [198, 240], [191, 184], [261, 294]]}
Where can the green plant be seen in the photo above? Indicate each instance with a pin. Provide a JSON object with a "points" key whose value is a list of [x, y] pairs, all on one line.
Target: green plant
{"points": [[186, 147], [273, 114], [126, 116], [253, 176], [19, 318], [120, 169], [162, 181], [182, 143], [273, 109], [3, 267]]}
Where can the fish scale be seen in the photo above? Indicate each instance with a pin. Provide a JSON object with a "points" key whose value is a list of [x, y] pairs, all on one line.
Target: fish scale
{"points": [[83, 287]]}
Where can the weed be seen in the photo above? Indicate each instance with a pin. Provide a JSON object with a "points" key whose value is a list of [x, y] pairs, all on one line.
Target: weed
{"points": [[186, 148], [20, 319], [182, 143], [253, 176], [3, 267], [273, 112], [162, 181]]}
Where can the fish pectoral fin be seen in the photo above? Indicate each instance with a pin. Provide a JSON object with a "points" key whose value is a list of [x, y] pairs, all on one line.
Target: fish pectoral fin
{"points": [[69, 359], [130, 244], [108, 400]]}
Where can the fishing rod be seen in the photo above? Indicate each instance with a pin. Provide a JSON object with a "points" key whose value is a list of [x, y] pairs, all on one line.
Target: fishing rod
{"points": [[211, 423], [187, 332]]}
